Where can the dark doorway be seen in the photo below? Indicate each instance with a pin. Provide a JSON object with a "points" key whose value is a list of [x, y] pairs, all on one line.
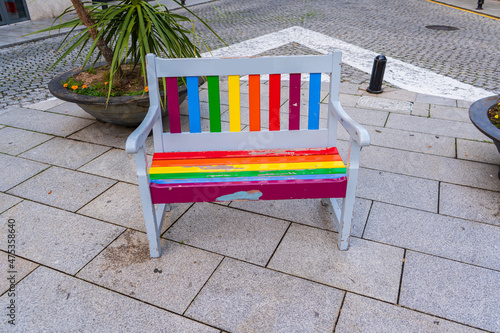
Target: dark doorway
{"points": [[12, 11]]}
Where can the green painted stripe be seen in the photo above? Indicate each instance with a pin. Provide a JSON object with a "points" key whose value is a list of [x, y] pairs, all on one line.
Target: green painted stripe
{"points": [[255, 173], [214, 103]]}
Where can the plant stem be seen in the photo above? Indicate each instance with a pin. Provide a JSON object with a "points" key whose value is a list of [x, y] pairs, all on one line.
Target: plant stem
{"points": [[87, 20]]}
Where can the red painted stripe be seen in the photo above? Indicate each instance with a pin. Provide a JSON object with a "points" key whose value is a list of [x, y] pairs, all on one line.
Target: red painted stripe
{"points": [[245, 153], [274, 101], [245, 160], [254, 102], [173, 105], [271, 190], [294, 102]]}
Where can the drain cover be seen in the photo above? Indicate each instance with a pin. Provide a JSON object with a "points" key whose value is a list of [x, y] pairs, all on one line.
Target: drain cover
{"points": [[441, 27]]}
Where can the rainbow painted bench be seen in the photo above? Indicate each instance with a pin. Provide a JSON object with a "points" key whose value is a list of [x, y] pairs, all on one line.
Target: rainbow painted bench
{"points": [[258, 164]]}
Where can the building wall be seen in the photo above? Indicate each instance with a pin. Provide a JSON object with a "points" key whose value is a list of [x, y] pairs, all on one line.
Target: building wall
{"points": [[40, 9]]}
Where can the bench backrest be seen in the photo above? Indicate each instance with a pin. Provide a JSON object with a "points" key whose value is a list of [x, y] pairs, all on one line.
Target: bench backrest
{"points": [[291, 68]]}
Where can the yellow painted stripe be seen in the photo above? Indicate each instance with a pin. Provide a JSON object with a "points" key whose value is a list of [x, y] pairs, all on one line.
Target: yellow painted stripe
{"points": [[234, 103], [465, 10], [248, 167]]}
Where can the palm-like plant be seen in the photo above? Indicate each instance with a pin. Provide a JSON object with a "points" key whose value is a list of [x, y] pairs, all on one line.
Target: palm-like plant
{"points": [[131, 29]]}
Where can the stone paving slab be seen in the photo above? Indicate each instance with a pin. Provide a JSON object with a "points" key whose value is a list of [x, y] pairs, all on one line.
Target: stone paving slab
{"points": [[47, 104], [109, 135], [431, 99], [54, 302], [432, 167], [421, 109], [71, 109], [464, 104], [16, 170], [452, 290], [450, 113], [386, 104], [307, 211], [229, 231], [7, 201], [443, 236], [12, 270], [394, 94], [56, 238], [368, 268], [470, 203], [349, 100], [412, 141], [65, 153], [348, 88], [435, 126], [14, 141], [400, 190], [367, 116], [115, 164], [241, 297], [170, 282], [62, 188], [121, 204], [478, 151], [363, 314], [44, 122]]}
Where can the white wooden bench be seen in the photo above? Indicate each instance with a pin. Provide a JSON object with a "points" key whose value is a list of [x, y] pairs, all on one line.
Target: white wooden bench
{"points": [[259, 164]]}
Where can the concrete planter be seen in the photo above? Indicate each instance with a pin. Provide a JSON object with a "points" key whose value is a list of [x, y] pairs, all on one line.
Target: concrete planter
{"points": [[122, 110], [478, 114]]}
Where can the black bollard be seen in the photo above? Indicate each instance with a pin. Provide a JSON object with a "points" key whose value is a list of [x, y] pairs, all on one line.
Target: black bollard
{"points": [[480, 4], [377, 77]]}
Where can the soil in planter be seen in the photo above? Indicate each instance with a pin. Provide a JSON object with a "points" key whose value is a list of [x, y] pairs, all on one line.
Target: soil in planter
{"points": [[95, 82], [494, 115]]}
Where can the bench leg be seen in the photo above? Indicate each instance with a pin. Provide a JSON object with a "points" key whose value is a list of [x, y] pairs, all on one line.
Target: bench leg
{"points": [[150, 215], [345, 221]]}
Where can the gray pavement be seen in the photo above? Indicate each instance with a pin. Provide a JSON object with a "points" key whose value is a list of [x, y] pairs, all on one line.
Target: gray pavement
{"points": [[490, 7], [424, 254]]}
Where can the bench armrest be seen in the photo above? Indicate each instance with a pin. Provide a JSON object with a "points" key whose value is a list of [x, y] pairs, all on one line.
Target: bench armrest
{"points": [[138, 137], [357, 132]]}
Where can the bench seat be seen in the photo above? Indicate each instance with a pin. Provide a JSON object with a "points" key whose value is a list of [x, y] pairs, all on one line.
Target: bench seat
{"points": [[247, 175]]}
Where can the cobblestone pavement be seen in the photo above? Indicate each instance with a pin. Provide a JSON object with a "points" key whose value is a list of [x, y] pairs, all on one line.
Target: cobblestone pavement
{"points": [[395, 28]]}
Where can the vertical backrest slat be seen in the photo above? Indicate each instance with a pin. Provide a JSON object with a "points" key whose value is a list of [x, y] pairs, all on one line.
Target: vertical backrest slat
{"points": [[254, 102], [294, 102], [274, 101], [173, 104], [214, 103], [233, 82], [314, 99], [193, 104]]}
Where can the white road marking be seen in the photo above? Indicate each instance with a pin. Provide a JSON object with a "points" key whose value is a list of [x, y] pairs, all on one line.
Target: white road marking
{"points": [[398, 73]]}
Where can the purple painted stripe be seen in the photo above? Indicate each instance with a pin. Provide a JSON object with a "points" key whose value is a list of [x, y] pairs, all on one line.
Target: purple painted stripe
{"points": [[271, 190], [173, 105], [244, 179], [294, 103]]}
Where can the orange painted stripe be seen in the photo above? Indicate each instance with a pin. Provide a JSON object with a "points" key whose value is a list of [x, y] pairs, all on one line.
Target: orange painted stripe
{"points": [[246, 160], [245, 153], [254, 102]]}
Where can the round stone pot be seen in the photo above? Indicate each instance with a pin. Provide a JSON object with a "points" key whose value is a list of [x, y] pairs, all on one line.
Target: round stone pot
{"points": [[122, 110], [478, 114]]}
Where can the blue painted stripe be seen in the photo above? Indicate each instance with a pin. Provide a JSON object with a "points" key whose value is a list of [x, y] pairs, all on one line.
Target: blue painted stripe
{"points": [[314, 99], [245, 179], [193, 104]]}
